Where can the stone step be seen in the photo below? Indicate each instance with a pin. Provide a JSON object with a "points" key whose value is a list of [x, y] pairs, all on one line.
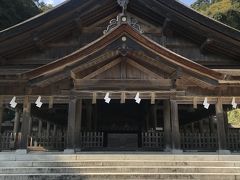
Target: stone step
{"points": [[116, 156], [129, 176], [89, 163], [118, 169]]}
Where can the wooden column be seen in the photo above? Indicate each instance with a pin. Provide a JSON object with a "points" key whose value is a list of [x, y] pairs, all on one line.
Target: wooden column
{"points": [[54, 130], [222, 143], [16, 123], [95, 117], [211, 125], [48, 128], [176, 139], [167, 124], [1, 113], [78, 123], [25, 123], [89, 115], [71, 123], [200, 124], [39, 128]]}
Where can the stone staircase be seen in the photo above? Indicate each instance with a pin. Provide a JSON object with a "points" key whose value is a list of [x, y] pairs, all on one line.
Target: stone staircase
{"points": [[97, 166]]}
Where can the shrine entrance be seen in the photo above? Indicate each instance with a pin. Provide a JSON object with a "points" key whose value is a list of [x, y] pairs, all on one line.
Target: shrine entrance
{"points": [[122, 124]]}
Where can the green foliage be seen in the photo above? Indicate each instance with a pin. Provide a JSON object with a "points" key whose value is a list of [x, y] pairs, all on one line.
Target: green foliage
{"points": [[225, 11], [16, 11], [234, 117]]}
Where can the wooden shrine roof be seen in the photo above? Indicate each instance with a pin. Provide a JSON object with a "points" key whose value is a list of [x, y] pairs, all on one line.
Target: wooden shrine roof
{"points": [[68, 63], [52, 24]]}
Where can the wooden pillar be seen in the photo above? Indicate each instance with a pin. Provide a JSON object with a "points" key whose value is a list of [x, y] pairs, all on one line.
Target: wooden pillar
{"points": [[71, 123], [48, 128], [176, 139], [16, 123], [95, 117], [222, 143], [200, 124], [147, 116], [211, 125], [39, 128], [1, 113], [89, 115], [25, 123], [30, 125], [192, 128], [78, 123], [154, 116], [167, 124], [54, 130]]}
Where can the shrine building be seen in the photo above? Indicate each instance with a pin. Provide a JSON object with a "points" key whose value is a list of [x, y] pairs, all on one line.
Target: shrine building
{"points": [[119, 75]]}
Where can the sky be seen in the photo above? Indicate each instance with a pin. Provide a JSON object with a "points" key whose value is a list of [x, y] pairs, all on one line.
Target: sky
{"points": [[56, 2]]}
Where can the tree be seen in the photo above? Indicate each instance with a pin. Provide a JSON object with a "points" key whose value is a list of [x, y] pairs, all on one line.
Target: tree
{"points": [[225, 11], [16, 11]]}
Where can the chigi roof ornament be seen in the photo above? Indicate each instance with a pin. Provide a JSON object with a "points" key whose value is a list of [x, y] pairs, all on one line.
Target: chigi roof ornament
{"points": [[123, 4], [123, 18]]}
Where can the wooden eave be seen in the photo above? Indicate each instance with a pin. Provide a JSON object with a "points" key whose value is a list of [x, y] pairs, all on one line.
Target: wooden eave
{"points": [[123, 30], [159, 9]]}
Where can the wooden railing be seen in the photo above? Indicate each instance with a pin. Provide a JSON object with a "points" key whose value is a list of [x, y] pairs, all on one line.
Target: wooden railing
{"points": [[152, 140], [7, 141], [199, 141], [91, 139], [233, 139], [46, 143]]}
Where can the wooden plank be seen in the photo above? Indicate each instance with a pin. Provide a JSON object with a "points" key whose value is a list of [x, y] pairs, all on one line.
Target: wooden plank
{"points": [[143, 69], [103, 69], [94, 84]]}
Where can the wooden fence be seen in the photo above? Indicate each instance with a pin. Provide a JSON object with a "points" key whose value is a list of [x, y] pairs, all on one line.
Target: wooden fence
{"points": [[7, 141], [199, 141], [153, 140], [91, 139], [233, 139], [47, 143]]}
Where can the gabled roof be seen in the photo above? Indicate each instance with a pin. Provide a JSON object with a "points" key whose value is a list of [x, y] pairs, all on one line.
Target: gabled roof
{"points": [[74, 60], [192, 24]]}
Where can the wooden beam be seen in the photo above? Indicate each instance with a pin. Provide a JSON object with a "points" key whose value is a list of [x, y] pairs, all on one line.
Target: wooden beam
{"points": [[102, 69], [113, 84], [143, 69]]}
